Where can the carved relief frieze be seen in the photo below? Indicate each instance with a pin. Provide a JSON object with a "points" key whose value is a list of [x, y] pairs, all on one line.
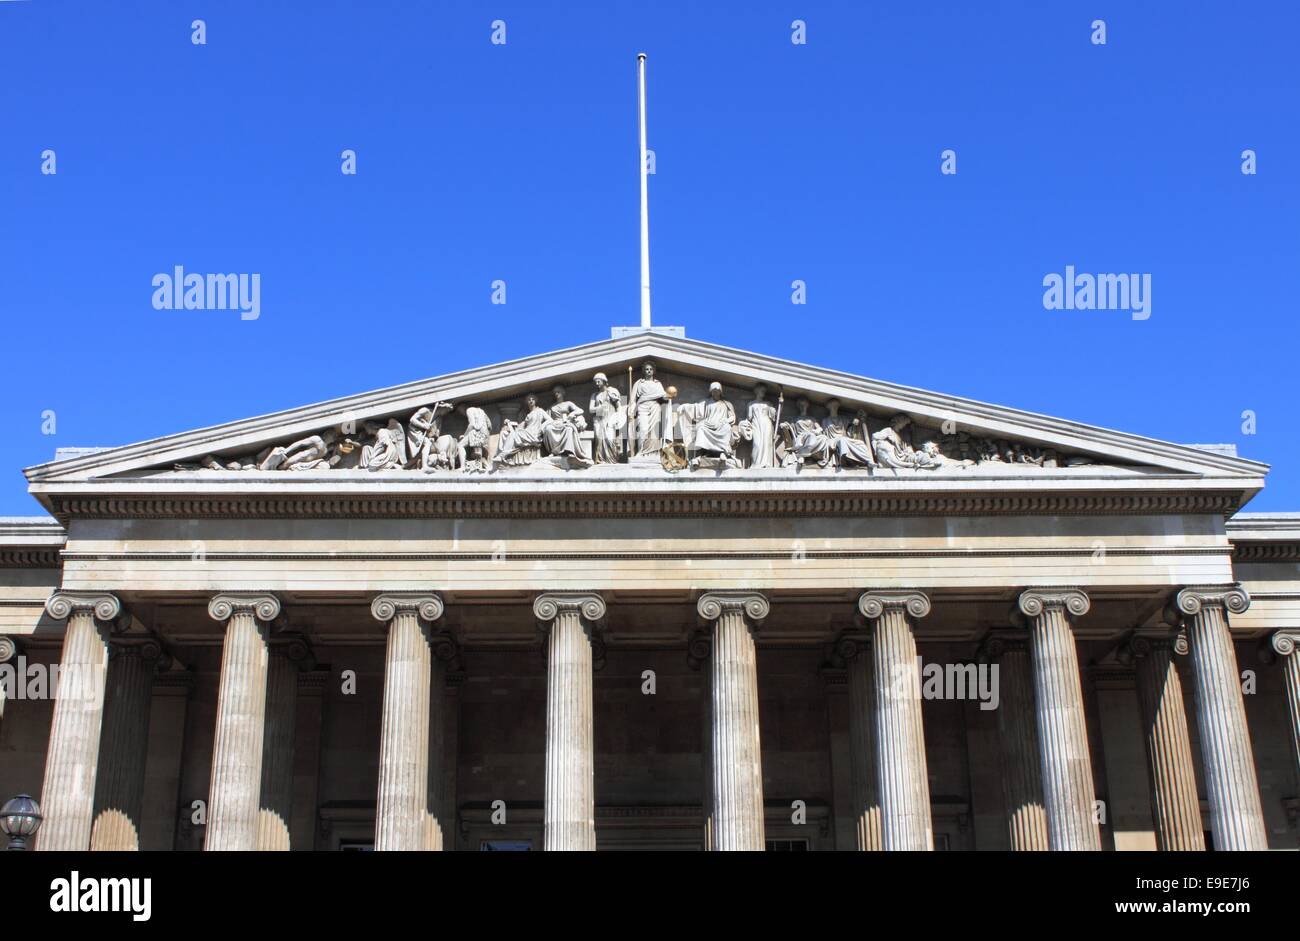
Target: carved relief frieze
{"points": [[649, 426]]}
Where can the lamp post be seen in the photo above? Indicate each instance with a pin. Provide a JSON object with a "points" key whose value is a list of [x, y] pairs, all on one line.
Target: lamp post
{"points": [[20, 818]]}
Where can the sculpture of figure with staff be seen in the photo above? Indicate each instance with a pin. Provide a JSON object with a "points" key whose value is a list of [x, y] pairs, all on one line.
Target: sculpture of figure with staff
{"points": [[646, 405]]}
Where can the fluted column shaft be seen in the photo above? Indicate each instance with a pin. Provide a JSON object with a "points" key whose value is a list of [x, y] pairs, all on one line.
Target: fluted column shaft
{"points": [[860, 669], [1174, 802], [235, 789], [902, 778], [1062, 727], [1019, 750], [71, 762], [437, 826], [119, 786], [276, 804], [402, 812], [1285, 644], [569, 811], [1236, 815], [736, 763]]}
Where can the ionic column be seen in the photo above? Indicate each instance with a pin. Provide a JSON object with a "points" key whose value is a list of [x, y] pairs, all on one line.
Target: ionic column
{"points": [[856, 654], [235, 790], [736, 757], [401, 815], [902, 780], [1236, 816], [1285, 643], [1022, 771], [275, 806], [68, 793], [570, 801], [1062, 728], [1174, 802], [119, 786], [437, 823]]}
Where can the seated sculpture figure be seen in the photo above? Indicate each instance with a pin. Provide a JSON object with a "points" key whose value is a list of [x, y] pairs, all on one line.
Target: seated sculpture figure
{"points": [[389, 449], [713, 429], [521, 441], [807, 439], [848, 442], [562, 431]]}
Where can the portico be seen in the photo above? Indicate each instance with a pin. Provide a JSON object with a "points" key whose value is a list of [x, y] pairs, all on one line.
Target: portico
{"points": [[441, 652]]}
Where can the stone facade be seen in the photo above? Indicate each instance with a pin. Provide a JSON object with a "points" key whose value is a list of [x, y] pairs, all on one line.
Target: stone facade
{"points": [[719, 601]]}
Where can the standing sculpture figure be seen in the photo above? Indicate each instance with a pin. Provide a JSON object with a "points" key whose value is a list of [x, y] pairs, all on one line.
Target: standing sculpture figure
{"points": [[759, 428], [562, 431], [472, 445], [608, 419], [422, 431], [648, 396]]}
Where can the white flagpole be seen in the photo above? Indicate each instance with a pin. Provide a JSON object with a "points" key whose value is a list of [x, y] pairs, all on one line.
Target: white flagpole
{"points": [[645, 201]]}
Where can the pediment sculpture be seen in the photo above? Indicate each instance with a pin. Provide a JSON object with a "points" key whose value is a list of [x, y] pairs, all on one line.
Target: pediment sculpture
{"points": [[649, 428]]}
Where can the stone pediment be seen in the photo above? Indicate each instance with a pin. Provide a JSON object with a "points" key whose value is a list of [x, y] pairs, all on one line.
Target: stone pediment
{"points": [[699, 416]]}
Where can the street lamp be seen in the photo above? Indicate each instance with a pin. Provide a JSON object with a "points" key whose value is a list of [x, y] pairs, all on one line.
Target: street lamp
{"points": [[20, 818]]}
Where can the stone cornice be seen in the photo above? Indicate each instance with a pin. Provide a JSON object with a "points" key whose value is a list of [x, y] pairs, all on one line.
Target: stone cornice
{"points": [[1266, 551], [873, 604], [548, 605], [263, 606], [426, 604], [709, 501]]}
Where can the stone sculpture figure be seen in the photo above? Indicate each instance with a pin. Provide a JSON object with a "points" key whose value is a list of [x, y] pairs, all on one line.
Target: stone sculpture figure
{"points": [[472, 446], [562, 431], [310, 453], [808, 439], [647, 400], [521, 441], [892, 451], [422, 431], [759, 428], [849, 445], [713, 433], [608, 421], [389, 449]]}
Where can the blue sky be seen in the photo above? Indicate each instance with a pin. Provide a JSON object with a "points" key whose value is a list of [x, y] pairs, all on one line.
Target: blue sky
{"points": [[775, 162]]}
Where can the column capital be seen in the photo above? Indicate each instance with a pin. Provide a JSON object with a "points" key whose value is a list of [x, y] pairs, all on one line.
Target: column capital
{"points": [[62, 604], [753, 605], [426, 604], [1142, 643], [1192, 600], [850, 645], [548, 605], [873, 604], [1034, 601], [1285, 642], [147, 649], [8, 649], [264, 606], [1001, 641]]}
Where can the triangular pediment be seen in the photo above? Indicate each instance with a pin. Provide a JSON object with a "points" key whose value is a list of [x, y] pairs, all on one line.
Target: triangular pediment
{"points": [[941, 438]]}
